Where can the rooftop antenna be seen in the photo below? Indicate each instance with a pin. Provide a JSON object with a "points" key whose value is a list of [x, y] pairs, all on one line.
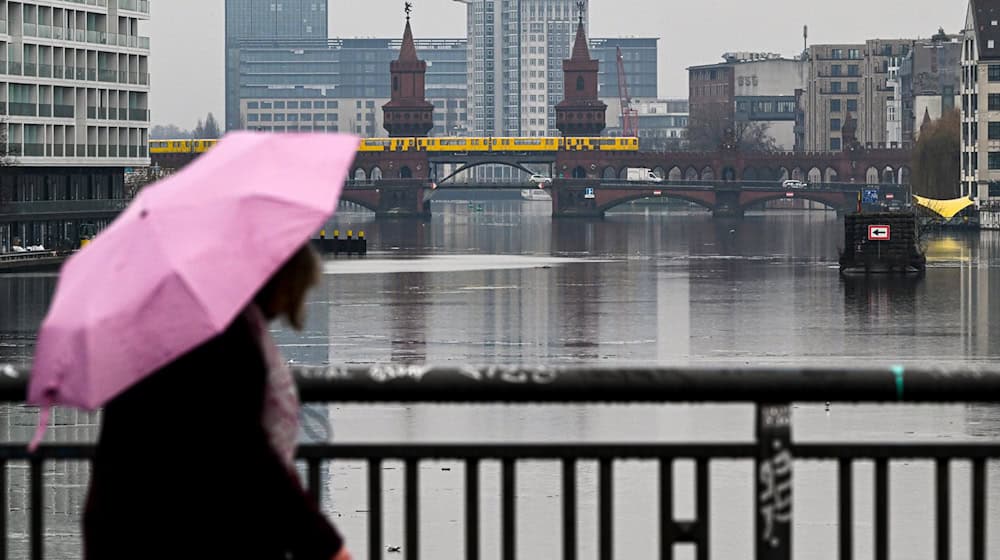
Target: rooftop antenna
{"points": [[805, 38], [580, 7], [408, 7]]}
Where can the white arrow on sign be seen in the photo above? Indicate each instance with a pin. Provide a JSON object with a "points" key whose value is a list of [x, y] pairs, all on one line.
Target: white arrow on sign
{"points": [[878, 233]]}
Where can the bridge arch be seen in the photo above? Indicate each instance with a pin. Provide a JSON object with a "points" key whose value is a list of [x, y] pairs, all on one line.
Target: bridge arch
{"points": [[691, 174], [798, 174], [348, 196], [467, 167], [871, 176], [659, 172], [623, 174], [706, 199], [904, 175], [675, 174], [708, 174], [888, 174], [831, 200], [830, 175], [405, 173], [360, 175], [579, 172], [376, 173], [815, 176], [609, 173], [751, 174], [783, 174]]}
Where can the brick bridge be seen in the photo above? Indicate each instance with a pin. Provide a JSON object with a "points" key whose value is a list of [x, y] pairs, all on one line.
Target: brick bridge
{"points": [[726, 182]]}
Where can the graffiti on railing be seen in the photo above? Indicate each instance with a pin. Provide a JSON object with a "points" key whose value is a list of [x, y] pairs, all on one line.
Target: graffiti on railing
{"points": [[774, 480]]}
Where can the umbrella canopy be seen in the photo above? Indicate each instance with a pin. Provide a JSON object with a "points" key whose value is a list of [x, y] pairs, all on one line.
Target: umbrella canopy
{"points": [[178, 265]]}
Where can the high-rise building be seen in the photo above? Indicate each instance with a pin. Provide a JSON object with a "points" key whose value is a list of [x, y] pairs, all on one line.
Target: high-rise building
{"points": [[515, 59], [981, 103], [269, 21], [851, 82], [930, 79], [74, 86]]}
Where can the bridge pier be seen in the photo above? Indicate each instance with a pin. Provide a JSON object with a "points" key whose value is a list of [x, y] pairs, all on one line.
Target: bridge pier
{"points": [[403, 201], [727, 204], [575, 201]]}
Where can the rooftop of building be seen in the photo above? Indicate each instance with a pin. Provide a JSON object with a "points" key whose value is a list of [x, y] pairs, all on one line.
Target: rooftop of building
{"points": [[734, 59], [987, 17]]}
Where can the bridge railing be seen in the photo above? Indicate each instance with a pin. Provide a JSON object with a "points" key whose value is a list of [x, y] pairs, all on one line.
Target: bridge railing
{"points": [[772, 451]]}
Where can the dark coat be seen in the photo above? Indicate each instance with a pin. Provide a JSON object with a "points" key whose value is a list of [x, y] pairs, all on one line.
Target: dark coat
{"points": [[183, 468]]}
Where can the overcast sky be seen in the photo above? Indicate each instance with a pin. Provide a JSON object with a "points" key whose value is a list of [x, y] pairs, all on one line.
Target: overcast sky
{"points": [[187, 35]]}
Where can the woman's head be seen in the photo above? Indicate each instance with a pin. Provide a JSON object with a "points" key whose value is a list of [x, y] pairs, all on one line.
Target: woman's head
{"points": [[284, 295]]}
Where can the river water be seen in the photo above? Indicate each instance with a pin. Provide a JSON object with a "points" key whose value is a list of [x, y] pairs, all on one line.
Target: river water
{"points": [[501, 282]]}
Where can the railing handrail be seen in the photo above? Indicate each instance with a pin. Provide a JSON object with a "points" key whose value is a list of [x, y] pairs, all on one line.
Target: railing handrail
{"points": [[629, 384]]}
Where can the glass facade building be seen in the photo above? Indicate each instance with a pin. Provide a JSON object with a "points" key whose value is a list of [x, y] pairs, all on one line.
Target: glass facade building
{"points": [[249, 21]]}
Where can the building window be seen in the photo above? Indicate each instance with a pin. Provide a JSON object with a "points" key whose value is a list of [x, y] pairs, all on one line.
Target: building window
{"points": [[854, 54], [994, 102], [835, 70], [253, 117], [994, 72], [835, 144], [579, 83], [293, 104], [853, 70], [835, 125], [834, 105], [993, 133], [836, 54], [835, 87], [252, 105], [994, 161], [279, 104], [852, 104], [994, 185], [852, 87]]}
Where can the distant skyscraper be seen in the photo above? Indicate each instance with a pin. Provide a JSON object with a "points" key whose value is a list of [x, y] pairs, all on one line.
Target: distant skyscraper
{"points": [[515, 55], [249, 21]]}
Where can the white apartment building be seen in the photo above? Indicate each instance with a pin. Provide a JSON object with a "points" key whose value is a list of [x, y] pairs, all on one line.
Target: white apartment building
{"points": [[74, 109], [515, 56], [76, 85], [981, 103]]}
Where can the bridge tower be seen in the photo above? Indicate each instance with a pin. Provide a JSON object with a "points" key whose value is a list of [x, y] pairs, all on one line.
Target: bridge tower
{"points": [[408, 113], [580, 113]]}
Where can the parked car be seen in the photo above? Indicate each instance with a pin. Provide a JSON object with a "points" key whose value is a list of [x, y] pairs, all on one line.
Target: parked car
{"points": [[793, 184], [540, 180]]}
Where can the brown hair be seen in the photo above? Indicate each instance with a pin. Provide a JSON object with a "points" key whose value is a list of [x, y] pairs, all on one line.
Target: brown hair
{"points": [[284, 295]]}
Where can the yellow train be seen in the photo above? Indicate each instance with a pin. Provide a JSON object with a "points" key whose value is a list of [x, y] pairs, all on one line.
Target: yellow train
{"points": [[500, 144], [193, 146], [443, 144]]}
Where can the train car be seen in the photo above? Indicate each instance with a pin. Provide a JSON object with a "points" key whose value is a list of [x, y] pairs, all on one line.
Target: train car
{"points": [[182, 146], [604, 144], [387, 144], [454, 144], [525, 144]]}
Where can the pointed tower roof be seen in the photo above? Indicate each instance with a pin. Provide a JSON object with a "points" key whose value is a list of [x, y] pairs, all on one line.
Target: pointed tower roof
{"points": [[580, 50], [408, 50], [927, 119]]}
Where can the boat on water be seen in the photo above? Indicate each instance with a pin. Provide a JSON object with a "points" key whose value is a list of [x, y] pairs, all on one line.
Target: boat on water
{"points": [[535, 194], [881, 243]]}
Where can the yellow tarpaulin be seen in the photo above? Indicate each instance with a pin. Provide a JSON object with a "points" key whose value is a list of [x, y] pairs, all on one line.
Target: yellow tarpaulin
{"points": [[944, 208]]}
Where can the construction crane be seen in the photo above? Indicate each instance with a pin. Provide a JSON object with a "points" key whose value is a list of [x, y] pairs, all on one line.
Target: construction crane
{"points": [[630, 116]]}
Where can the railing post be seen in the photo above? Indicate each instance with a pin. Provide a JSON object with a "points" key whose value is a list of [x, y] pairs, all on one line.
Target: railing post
{"points": [[774, 482]]}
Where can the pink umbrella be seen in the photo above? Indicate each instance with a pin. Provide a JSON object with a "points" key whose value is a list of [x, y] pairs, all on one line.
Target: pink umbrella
{"points": [[180, 263]]}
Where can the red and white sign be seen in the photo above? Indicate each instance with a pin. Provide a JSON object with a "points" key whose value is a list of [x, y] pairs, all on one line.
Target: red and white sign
{"points": [[657, 193], [878, 233], [889, 196], [789, 195]]}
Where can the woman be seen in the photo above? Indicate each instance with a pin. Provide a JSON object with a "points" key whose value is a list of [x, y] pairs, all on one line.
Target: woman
{"points": [[195, 460]]}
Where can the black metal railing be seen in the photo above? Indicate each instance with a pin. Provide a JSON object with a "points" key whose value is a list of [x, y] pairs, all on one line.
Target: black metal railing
{"points": [[772, 450]]}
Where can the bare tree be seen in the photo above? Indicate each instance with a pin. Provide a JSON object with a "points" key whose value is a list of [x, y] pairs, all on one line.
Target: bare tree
{"points": [[936, 164], [714, 127]]}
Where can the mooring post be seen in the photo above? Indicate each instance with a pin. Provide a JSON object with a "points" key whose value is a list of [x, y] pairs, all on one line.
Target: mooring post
{"points": [[774, 482]]}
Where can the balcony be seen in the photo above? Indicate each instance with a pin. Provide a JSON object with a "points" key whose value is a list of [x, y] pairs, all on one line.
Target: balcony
{"points": [[44, 110], [30, 69], [59, 71], [23, 109], [107, 76], [45, 71], [81, 150], [33, 150], [64, 111], [3, 26], [141, 6], [138, 115]]}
